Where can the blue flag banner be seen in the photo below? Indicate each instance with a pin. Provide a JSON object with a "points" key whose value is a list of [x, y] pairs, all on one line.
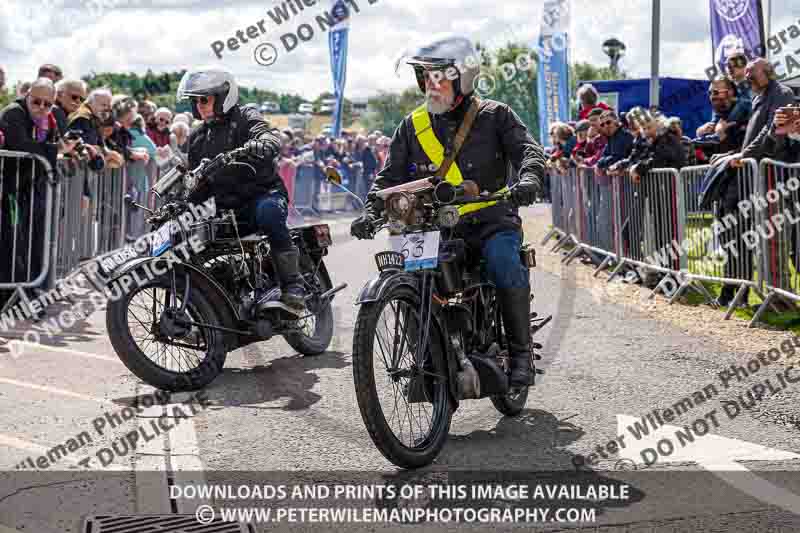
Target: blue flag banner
{"points": [[553, 79], [337, 44], [736, 25]]}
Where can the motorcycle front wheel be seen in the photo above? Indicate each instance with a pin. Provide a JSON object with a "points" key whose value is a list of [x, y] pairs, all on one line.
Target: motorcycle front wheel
{"points": [[163, 353], [402, 394]]}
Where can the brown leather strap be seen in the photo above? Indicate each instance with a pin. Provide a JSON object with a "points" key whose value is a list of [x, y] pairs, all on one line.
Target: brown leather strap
{"points": [[461, 136]]}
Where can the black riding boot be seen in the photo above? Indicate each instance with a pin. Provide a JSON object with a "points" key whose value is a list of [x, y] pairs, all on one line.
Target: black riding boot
{"points": [[287, 268], [516, 309]]}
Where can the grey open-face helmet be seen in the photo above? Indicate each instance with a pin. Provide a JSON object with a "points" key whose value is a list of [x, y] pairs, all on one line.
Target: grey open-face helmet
{"points": [[207, 82], [453, 54]]}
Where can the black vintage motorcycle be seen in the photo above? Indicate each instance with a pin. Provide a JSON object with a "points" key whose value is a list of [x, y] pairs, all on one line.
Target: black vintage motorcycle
{"points": [[429, 331], [175, 329]]}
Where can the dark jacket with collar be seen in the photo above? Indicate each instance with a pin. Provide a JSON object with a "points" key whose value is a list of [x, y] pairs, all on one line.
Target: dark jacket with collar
{"points": [[764, 106], [235, 187], [618, 148], [18, 128], [498, 148]]}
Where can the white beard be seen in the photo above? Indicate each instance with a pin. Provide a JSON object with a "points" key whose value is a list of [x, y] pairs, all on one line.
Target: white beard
{"points": [[437, 108]]}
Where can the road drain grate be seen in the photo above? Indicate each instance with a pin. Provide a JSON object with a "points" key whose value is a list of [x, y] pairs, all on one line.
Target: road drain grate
{"points": [[160, 524]]}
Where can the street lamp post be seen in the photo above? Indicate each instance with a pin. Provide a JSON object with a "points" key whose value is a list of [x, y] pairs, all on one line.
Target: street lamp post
{"points": [[615, 50], [654, 54]]}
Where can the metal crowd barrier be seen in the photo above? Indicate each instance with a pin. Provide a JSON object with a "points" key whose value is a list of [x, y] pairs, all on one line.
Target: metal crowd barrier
{"points": [[565, 195], [658, 226], [718, 252], [27, 187], [777, 231]]}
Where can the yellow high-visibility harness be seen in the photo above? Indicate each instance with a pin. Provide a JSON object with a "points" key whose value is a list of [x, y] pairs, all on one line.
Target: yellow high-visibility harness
{"points": [[435, 152]]}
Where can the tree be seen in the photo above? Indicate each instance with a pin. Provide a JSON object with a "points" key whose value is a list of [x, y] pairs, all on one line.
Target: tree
{"points": [[387, 110], [586, 72], [513, 70]]}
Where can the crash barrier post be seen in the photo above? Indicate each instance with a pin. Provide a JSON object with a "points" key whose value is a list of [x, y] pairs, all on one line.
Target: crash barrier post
{"points": [[713, 245], [306, 188], [27, 196], [776, 230], [597, 220]]}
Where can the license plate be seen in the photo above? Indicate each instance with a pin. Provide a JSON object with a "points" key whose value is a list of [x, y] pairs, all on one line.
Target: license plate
{"points": [[162, 239], [421, 250]]}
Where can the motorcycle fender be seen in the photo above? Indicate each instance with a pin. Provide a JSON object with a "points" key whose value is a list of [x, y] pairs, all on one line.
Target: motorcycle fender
{"points": [[374, 289], [199, 280]]}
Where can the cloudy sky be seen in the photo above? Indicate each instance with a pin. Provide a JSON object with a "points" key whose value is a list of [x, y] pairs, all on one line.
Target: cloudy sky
{"points": [[133, 35]]}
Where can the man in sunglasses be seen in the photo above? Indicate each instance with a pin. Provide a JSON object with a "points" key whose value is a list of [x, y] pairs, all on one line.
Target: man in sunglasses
{"points": [[29, 126], [620, 141], [260, 198], [498, 152], [159, 132], [70, 94], [730, 114]]}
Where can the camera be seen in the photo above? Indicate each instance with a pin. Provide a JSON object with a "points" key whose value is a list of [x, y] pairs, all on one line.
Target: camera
{"points": [[80, 148]]}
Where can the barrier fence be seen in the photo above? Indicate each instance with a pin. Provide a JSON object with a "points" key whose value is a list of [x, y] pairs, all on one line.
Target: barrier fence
{"points": [[747, 237], [54, 220]]}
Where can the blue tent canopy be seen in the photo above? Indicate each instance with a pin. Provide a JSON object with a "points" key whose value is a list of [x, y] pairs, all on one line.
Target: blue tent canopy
{"points": [[683, 98]]}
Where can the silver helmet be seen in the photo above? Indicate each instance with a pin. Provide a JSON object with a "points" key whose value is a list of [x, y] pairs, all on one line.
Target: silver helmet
{"points": [[453, 54], [207, 82]]}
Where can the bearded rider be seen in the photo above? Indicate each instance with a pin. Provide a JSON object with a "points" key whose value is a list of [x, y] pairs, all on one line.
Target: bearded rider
{"points": [[497, 148], [259, 198]]}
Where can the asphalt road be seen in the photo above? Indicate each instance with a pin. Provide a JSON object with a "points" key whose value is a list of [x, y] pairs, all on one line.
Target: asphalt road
{"points": [[274, 410]]}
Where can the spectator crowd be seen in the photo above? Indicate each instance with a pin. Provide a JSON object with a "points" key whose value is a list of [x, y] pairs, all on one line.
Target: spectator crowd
{"points": [[63, 121], [60, 118], [754, 116]]}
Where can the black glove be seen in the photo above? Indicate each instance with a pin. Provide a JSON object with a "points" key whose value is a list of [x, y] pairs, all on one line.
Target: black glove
{"points": [[362, 227], [259, 149], [523, 193]]}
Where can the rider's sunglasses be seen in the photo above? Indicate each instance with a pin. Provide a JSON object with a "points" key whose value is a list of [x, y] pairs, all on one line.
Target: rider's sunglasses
{"points": [[77, 98], [717, 92], [606, 123], [201, 99]]}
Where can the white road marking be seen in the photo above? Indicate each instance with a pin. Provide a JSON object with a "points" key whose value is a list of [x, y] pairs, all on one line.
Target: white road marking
{"points": [[64, 350], [720, 455], [32, 447], [54, 390]]}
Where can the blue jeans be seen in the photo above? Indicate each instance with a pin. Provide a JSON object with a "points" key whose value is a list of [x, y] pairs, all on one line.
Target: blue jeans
{"points": [[503, 265], [267, 214]]}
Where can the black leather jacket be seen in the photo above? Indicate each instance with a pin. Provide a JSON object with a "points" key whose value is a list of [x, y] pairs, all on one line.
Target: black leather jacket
{"points": [[235, 187], [497, 149]]}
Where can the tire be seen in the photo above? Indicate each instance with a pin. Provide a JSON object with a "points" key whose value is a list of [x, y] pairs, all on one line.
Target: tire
{"points": [[369, 403], [510, 405], [199, 309], [323, 329]]}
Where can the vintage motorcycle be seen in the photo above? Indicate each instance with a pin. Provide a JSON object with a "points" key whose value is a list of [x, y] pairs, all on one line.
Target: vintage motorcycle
{"points": [[175, 329], [429, 331]]}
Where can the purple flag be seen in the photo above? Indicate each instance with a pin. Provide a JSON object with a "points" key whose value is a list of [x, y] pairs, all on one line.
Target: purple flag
{"points": [[736, 25]]}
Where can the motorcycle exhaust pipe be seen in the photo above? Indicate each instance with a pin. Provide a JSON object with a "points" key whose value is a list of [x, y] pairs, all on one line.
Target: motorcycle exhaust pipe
{"points": [[329, 294]]}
